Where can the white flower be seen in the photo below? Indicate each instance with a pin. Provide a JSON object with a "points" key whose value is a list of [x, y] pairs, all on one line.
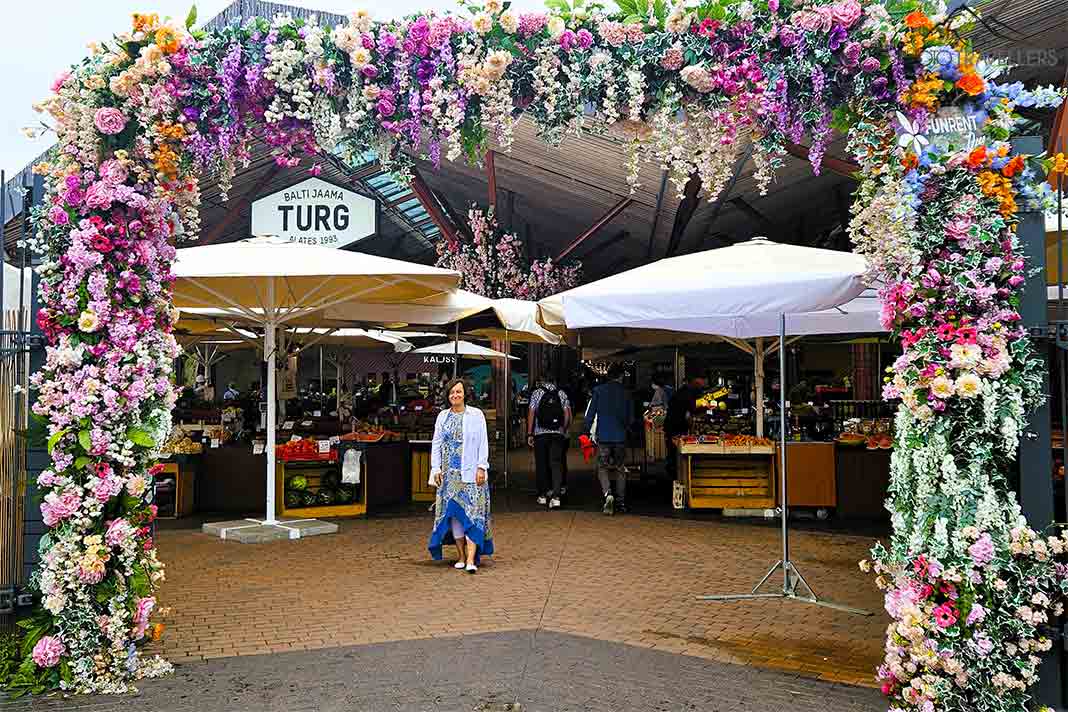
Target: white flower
{"points": [[969, 385], [88, 321], [923, 412], [509, 22], [746, 11], [55, 603], [482, 23], [942, 387], [360, 57], [556, 26], [493, 7], [361, 20]]}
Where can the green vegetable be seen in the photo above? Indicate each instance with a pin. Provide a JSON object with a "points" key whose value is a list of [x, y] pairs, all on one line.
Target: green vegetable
{"points": [[293, 499], [297, 482]]}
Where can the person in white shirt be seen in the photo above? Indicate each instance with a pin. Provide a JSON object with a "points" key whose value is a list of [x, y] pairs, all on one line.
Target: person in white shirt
{"points": [[459, 463]]}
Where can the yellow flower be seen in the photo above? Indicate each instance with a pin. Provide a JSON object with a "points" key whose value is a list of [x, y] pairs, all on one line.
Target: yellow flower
{"points": [[167, 40], [482, 23], [145, 23]]}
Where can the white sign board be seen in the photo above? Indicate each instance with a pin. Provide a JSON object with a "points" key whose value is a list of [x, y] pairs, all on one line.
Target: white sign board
{"points": [[315, 212]]}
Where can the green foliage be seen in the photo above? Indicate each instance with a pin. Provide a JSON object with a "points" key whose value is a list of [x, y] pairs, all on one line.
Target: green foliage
{"points": [[191, 18], [140, 436]]}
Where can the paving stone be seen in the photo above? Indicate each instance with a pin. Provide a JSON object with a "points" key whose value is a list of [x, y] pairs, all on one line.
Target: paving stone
{"points": [[519, 671]]}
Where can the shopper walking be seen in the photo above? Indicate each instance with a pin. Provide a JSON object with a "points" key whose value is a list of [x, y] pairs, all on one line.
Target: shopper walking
{"points": [[459, 463], [612, 407], [548, 420]]}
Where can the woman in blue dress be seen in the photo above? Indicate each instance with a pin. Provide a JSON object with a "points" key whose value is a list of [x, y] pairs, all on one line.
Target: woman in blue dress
{"points": [[459, 461]]}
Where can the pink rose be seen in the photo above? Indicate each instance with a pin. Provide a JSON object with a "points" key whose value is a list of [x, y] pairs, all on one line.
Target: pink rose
{"points": [[57, 507], [846, 12], [48, 651], [99, 196], [141, 615], [60, 80], [109, 121], [807, 20], [111, 171], [118, 532]]}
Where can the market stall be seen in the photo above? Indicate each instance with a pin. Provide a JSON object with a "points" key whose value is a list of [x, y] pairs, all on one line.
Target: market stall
{"points": [[272, 283]]}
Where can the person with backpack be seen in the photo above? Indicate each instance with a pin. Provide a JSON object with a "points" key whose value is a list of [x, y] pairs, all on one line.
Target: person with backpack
{"points": [[548, 420], [612, 407]]}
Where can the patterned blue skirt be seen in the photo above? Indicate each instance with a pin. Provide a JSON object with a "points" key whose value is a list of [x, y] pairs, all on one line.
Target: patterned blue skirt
{"points": [[469, 503]]}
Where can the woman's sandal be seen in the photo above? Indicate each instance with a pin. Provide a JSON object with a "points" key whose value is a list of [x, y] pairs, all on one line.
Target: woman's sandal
{"points": [[460, 565], [471, 568]]}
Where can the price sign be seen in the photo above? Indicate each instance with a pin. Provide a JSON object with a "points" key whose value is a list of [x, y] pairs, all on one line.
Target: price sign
{"points": [[306, 424], [257, 448], [418, 408], [324, 446], [317, 413], [215, 442], [294, 438], [335, 439], [288, 425]]}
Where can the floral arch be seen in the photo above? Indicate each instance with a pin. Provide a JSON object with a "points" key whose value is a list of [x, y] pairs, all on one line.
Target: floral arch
{"points": [[967, 582]]}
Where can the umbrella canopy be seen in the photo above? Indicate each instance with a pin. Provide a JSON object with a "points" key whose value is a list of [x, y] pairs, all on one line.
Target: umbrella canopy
{"points": [[465, 349], [265, 277], [514, 317], [433, 310], [11, 287], [353, 338], [738, 291]]}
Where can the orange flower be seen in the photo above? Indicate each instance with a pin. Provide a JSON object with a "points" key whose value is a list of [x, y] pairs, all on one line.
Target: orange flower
{"points": [[917, 20], [1060, 164], [977, 157], [971, 83], [167, 40], [910, 161], [157, 632], [172, 131], [144, 23], [1013, 167]]}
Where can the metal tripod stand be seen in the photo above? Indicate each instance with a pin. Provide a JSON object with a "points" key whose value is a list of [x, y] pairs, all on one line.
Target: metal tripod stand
{"points": [[794, 585]]}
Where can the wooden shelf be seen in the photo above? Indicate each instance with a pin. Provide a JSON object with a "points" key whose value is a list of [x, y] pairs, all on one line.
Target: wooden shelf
{"points": [[729, 478], [717, 449], [314, 471]]}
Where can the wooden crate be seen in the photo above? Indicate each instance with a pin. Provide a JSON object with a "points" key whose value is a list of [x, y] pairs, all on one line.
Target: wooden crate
{"points": [[730, 481], [655, 444], [184, 481], [421, 491], [314, 474]]}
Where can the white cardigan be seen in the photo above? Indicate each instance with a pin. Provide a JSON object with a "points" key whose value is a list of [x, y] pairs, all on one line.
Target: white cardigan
{"points": [[476, 444]]}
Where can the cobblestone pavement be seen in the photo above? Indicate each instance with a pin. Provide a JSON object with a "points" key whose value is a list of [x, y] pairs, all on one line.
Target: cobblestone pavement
{"points": [[623, 579], [547, 672]]}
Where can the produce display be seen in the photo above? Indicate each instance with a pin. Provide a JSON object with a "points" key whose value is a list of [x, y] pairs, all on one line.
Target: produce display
{"points": [[728, 440], [368, 433], [302, 449], [179, 443], [297, 482]]}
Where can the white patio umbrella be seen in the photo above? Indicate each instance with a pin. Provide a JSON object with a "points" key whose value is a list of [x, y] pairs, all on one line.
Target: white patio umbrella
{"points": [[271, 283], [734, 292], [464, 349]]}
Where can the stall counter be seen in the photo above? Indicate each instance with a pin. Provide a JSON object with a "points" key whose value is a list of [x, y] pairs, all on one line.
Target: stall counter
{"points": [[725, 477]]}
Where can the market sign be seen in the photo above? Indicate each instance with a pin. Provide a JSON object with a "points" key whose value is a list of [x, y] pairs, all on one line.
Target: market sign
{"points": [[948, 131], [315, 212], [438, 359]]}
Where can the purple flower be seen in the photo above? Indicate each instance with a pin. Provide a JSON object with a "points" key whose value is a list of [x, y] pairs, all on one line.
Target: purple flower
{"points": [[370, 71], [851, 55], [773, 5], [419, 30], [73, 182], [976, 615], [567, 40], [870, 65], [878, 87], [368, 42], [982, 551], [837, 38], [788, 37], [385, 107], [191, 113], [425, 71], [387, 42], [585, 39], [58, 215]]}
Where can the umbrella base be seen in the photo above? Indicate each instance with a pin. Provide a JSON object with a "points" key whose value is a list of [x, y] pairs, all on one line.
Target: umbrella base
{"points": [[255, 531]]}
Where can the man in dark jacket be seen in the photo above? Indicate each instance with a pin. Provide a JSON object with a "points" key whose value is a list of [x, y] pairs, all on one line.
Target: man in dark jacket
{"points": [[681, 407], [612, 408]]}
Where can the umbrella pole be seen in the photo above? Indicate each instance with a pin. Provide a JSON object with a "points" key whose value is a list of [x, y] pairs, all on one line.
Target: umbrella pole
{"points": [[272, 415], [791, 577], [456, 353], [507, 398]]}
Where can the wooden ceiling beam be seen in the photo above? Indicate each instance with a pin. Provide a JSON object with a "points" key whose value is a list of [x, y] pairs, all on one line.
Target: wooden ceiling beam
{"points": [[491, 176], [596, 227], [690, 199], [760, 218], [430, 204]]}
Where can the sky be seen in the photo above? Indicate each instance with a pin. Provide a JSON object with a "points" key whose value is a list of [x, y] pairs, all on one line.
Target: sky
{"points": [[40, 38]]}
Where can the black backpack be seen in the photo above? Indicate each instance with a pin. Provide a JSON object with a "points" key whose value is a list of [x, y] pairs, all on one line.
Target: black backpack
{"points": [[550, 415]]}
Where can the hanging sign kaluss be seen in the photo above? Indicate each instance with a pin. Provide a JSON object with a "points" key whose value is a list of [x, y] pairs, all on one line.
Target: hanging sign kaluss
{"points": [[315, 212]]}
